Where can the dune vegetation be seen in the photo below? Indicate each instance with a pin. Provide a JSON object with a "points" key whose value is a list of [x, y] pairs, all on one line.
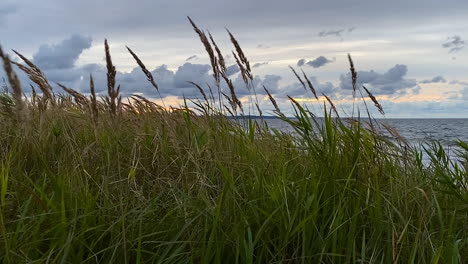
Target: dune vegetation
{"points": [[90, 178]]}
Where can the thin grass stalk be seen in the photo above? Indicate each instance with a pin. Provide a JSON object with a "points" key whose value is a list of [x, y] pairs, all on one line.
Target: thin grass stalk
{"points": [[200, 90], [374, 100], [148, 74], [272, 100], [331, 104], [298, 77], [311, 87]]}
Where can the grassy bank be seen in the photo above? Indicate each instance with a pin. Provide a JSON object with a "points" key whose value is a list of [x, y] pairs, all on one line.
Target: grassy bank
{"points": [[91, 180]]}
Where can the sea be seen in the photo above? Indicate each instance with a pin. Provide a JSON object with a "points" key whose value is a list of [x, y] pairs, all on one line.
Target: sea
{"points": [[417, 132]]}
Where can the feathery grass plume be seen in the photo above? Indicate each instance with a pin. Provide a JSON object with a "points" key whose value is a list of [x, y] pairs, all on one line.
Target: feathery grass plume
{"points": [[14, 82], [234, 98], [272, 100], [79, 98], [209, 50], [37, 76], [295, 102], [243, 71], [222, 64], [143, 68], [376, 103], [33, 94], [239, 51], [113, 93], [298, 77], [231, 102], [201, 90], [331, 104], [309, 83], [93, 105], [353, 74]]}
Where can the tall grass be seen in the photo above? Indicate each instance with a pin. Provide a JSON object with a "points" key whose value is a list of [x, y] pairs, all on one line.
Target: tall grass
{"points": [[102, 181]]}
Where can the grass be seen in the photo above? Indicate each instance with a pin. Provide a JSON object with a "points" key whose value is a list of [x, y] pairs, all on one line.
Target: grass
{"points": [[102, 181]]}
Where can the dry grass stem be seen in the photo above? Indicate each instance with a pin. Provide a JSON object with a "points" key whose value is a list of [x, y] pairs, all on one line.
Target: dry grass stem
{"points": [[201, 90], [298, 77], [376, 103], [311, 87], [331, 104], [144, 69], [272, 100]]}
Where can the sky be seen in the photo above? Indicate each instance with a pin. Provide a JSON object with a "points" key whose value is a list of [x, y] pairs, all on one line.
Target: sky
{"points": [[412, 55]]}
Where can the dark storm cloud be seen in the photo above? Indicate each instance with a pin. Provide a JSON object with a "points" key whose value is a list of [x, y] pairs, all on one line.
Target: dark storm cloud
{"points": [[63, 55], [193, 57], [454, 44], [316, 63], [260, 64], [436, 79], [301, 62], [319, 62], [62, 69], [336, 33], [392, 82]]}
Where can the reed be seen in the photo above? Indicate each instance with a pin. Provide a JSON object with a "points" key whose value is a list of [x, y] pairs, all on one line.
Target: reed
{"points": [[144, 183]]}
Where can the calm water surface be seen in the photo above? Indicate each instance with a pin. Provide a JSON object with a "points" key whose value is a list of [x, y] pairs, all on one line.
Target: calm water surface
{"points": [[416, 131]]}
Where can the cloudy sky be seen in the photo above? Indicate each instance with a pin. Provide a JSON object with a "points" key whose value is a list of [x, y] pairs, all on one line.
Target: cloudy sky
{"points": [[412, 55]]}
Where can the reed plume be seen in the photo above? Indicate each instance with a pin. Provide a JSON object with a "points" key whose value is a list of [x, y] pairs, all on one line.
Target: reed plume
{"points": [[311, 87], [80, 99], [298, 77], [376, 103], [272, 100], [143, 68], [113, 93], [93, 105], [353, 74], [14, 82], [37, 76], [209, 50]]}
